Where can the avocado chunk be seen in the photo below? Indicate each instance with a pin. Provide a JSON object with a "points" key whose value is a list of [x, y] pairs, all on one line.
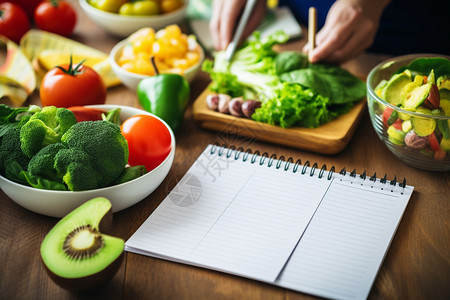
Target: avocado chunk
{"points": [[392, 91], [417, 96], [396, 136], [423, 126]]}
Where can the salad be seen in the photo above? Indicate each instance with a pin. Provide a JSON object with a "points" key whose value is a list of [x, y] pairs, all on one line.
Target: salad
{"points": [[422, 87]]}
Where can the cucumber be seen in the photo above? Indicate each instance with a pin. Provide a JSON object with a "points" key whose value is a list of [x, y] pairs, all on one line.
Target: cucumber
{"points": [[423, 126]]}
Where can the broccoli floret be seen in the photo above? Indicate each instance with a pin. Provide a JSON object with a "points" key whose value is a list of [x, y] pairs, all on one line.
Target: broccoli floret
{"points": [[103, 141], [75, 168], [43, 163], [44, 128], [10, 150]]}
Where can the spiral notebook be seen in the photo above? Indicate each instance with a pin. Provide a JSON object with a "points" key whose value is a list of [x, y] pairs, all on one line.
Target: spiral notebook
{"points": [[292, 224]]}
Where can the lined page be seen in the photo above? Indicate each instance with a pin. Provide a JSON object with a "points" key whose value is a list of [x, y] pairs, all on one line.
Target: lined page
{"points": [[232, 215], [343, 247]]}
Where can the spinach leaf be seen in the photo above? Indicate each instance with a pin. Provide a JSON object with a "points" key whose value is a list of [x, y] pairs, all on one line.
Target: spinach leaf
{"points": [[424, 65], [330, 81]]}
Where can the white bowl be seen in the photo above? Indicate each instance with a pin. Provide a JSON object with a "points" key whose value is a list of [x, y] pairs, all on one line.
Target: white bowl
{"points": [[59, 203], [121, 25], [131, 80]]}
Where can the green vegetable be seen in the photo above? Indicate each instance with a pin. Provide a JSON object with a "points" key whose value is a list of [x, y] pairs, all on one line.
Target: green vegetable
{"points": [[424, 65], [252, 71], [165, 95], [258, 72], [294, 105], [44, 128], [76, 169], [104, 143], [331, 81], [42, 164], [130, 173], [10, 150]]}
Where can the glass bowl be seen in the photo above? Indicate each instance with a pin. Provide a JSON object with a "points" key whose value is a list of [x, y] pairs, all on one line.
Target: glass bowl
{"points": [[426, 146]]}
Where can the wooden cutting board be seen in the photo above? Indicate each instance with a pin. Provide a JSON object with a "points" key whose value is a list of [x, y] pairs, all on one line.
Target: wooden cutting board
{"points": [[329, 138]]}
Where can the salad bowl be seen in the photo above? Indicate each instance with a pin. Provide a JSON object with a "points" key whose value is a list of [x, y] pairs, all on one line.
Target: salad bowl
{"points": [[412, 128]]}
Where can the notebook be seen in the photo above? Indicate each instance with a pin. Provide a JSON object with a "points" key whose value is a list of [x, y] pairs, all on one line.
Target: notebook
{"points": [[292, 224]]}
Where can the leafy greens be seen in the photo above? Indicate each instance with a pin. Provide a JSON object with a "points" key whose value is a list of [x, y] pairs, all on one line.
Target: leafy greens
{"points": [[293, 92]]}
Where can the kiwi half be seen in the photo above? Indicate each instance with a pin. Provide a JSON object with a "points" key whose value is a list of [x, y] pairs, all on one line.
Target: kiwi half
{"points": [[76, 255]]}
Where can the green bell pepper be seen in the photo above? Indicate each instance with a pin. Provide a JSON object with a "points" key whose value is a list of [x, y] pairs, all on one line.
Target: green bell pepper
{"points": [[165, 95]]}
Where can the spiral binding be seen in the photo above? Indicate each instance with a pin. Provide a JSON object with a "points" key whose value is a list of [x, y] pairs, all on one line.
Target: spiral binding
{"points": [[253, 156]]}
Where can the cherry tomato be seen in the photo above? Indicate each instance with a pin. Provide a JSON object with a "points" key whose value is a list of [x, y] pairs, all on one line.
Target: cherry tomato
{"points": [[67, 86], [56, 16], [83, 113], [28, 6], [13, 21], [149, 140]]}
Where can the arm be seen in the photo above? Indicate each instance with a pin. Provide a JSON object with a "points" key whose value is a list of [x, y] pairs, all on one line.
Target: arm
{"points": [[224, 19], [349, 29]]}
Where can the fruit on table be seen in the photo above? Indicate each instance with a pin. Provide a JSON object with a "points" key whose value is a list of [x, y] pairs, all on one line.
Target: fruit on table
{"points": [[56, 16], [13, 21], [76, 254], [141, 7], [174, 51], [70, 85]]}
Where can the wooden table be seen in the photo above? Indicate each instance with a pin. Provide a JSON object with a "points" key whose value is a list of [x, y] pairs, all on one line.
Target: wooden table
{"points": [[417, 265]]}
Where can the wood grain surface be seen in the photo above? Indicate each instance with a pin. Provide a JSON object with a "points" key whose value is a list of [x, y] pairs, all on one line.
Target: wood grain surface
{"points": [[417, 265]]}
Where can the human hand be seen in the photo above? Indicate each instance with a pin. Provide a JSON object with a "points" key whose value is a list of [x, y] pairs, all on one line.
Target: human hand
{"points": [[349, 29], [225, 17]]}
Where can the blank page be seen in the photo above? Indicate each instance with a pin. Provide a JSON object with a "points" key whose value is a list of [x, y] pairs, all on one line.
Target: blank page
{"points": [[232, 214], [343, 247]]}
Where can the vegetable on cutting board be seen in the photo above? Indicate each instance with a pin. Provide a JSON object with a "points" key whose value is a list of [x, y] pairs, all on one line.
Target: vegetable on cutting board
{"points": [[165, 95], [292, 91]]}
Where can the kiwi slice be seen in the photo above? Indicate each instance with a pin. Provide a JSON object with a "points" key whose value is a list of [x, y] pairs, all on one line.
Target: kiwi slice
{"points": [[76, 255]]}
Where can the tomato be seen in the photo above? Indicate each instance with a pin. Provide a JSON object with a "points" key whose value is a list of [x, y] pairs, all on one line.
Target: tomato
{"points": [[149, 140], [83, 113], [56, 16], [13, 21], [67, 86], [433, 141], [28, 6]]}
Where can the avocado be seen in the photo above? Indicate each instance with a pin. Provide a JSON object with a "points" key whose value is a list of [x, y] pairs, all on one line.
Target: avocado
{"points": [[444, 94], [392, 91], [417, 96], [423, 126], [443, 82], [445, 144], [396, 136]]}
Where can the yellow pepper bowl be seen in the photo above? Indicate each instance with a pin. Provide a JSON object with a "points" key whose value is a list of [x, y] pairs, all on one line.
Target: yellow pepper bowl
{"points": [[124, 25]]}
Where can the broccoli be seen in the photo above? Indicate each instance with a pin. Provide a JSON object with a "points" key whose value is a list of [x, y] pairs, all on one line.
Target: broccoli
{"points": [[10, 150], [104, 143], [43, 163], [44, 128], [75, 168]]}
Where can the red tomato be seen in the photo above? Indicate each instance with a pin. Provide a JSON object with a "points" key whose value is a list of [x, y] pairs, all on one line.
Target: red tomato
{"points": [[64, 87], [56, 16], [13, 21], [28, 6], [83, 113], [433, 141], [149, 141]]}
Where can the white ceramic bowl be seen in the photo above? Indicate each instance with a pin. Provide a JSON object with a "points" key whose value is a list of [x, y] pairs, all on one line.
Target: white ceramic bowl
{"points": [[59, 203], [121, 25], [131, 80]]}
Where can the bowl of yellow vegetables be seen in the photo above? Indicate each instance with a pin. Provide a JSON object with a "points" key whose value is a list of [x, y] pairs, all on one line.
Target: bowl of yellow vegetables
{"points": [[171, 51], [123, 17]]}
